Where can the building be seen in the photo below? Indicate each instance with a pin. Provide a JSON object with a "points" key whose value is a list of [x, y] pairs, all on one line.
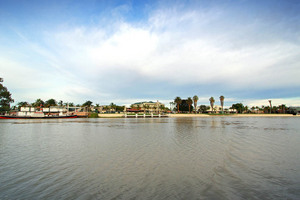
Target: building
{"points": [[148, 106]]}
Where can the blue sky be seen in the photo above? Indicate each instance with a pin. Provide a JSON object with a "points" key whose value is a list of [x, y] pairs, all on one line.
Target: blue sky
{"points": [[128, 51]]}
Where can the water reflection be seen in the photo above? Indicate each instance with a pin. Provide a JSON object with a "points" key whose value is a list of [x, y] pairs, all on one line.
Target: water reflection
{"points": [[168, 158]]}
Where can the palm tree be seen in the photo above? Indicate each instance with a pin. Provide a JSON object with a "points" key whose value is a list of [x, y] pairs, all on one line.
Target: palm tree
{"points": [[270, 101], [195, 98], [189, 102], [178, 101], [212, 101], [222, 101]]}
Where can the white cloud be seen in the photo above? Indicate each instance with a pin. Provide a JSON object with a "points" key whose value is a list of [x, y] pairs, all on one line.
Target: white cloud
{"points": [[172, 46]]}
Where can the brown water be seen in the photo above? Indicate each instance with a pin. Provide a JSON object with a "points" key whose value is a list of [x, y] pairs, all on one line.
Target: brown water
{"points": [[169, 158]]}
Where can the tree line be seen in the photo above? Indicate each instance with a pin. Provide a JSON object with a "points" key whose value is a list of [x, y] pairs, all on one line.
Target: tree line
{"points": [[6, 100], [190, 101]]}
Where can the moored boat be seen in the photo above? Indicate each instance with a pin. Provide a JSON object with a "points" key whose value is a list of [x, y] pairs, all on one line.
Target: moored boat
{"points": [[40, 113], [37, 117]]}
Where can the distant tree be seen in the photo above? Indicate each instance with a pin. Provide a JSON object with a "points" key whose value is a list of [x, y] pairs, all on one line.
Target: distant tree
{"points": [[189, 102], [38, 103], [203, 108], [239, 107], [147, 107], [162, 108], [212, 102], [178, 101], [60, 103], [222, 102], [246, 109], [87, 104], [195, 99], [266, 109], [252, 109], [120, 108], [50, 102], [5, 98], [270, 101], [282, 108], [22, 104]]}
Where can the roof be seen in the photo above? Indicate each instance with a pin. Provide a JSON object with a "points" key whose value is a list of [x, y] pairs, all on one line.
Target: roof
{"points": [[144, 102]]}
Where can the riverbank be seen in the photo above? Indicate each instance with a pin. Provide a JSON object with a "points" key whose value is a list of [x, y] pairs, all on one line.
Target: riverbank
{"points": [[233, 115], [113, 115]]}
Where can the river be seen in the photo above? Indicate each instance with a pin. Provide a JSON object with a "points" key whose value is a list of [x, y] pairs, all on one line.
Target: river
{"points": [[157, 158]]}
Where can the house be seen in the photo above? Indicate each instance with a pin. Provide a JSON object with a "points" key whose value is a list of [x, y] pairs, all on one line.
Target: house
{"points": [[148, 106]]}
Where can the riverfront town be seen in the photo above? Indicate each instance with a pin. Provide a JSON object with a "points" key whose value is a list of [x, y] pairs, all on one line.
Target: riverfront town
{"points": [[180, 107]]}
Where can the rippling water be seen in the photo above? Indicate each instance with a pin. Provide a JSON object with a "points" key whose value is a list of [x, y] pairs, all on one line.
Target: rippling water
{"points": [[169, 158]]}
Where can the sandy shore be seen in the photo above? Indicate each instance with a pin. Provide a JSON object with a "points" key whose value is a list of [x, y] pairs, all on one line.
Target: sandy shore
{"points": [[110, 115], [265, 115], [189, 115], [234, 115], [206, 115]]}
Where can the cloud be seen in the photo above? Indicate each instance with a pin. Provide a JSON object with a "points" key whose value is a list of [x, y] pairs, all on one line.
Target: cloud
{"points": [[173, 47], [275, 102]]}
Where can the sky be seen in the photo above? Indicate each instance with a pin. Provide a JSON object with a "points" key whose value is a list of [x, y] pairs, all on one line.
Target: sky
{"points": [[130, 51]]}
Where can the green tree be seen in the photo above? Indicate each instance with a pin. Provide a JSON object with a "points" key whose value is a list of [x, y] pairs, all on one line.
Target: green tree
{"points": [[195, 99], [178, 101], [203, 108], [246, 109], [120, 108], [282, 108], [70, 104], [5, 98], [38, 103], [189, 102], [239, 107], [162, 107], [222, 101], [113, 106], [22, 104], [50, 102], [212, 102], [270, 101], [147, 107], [87, 103]]}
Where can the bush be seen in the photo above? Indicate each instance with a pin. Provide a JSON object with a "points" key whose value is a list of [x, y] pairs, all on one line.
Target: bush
{"points": [[93, 115]]}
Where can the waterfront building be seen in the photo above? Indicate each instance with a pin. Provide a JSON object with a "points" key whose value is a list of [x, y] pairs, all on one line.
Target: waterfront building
{"points": [[147, 106]]}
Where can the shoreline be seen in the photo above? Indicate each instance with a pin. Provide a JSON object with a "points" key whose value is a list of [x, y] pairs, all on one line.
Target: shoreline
{"points": [[205, 115], [233, 115]]}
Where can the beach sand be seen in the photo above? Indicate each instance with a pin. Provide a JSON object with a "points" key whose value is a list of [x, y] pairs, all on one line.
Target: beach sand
{"points": [[206, 115], [233, 115]]}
